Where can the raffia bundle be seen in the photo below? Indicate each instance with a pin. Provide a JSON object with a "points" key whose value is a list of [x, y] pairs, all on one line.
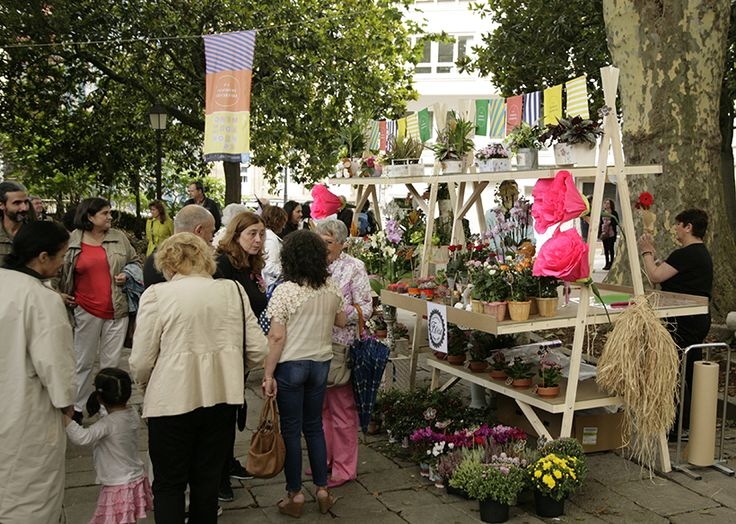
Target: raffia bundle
{"points": [[640, 363]]}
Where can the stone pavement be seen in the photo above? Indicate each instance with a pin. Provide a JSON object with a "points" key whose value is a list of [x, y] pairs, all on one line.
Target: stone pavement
{"points": [[389, 490]]}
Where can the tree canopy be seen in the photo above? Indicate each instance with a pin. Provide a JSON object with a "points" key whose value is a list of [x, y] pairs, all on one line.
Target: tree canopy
{"points": [[78, 78]]}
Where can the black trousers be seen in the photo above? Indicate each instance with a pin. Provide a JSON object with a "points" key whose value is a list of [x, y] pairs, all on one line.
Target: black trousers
{"points": [[609, 246], [189, 449], [687, 331]]}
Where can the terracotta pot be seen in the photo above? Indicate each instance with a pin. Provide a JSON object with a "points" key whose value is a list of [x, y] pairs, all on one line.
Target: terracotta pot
{"points": [[498, 374], [550, 392], [519, 310], [456, 360], [477, 366], [522, 382], [381, 333], [547, 306], [413, 292], [427, 294]]}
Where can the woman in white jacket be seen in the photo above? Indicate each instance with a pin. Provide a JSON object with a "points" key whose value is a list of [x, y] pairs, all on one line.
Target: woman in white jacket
{"points": [[37, 378], [188, 356]]}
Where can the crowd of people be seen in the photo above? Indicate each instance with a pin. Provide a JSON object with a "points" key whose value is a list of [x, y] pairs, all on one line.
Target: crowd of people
{"points": [[276, 290], [203, 310]]}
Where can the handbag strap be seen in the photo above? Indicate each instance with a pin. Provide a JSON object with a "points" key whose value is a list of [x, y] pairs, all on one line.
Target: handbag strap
{"points": [[361, 322], [242, 312]]}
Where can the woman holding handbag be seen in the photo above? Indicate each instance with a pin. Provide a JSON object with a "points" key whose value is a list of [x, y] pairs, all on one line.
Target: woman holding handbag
{"points": [[302, 311], [339, 415]]}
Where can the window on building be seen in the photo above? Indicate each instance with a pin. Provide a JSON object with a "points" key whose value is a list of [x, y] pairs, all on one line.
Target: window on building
{"points": [[440, 57]]}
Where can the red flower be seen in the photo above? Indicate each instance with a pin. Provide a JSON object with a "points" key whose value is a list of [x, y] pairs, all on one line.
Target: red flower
{"points": [[645, 200], [452, 248]]}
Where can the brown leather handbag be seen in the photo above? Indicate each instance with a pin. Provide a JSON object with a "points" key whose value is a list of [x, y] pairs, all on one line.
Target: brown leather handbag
{"points": [[267, 452]]}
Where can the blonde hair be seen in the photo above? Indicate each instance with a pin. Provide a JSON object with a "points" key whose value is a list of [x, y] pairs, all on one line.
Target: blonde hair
{"points": [[184, 253], [230, 246]]}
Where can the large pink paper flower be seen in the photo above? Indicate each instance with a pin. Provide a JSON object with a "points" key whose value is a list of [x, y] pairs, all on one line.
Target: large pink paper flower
{"points": [[325, 202], [556, 200], [564, 256]]}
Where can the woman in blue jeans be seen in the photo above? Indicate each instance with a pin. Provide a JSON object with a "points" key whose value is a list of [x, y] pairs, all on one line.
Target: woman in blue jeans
{"points": [[302, 310]]}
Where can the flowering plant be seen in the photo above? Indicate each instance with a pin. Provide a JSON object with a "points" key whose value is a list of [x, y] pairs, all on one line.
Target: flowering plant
{"points": [[520, 368], [509, 228], [545, 287], [550, 373], [498, 362], [370, 166], [376, 323], [490, 282], [520, 280], [644, 201], [491, 151], [500, 480], [555, 476], [457, 341]]}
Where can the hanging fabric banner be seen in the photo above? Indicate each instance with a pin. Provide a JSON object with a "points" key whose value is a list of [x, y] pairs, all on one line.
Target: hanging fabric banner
{"points": [[532, 102], [440, 116], [375, 136], [401, 128], [229, 70], [481, 117], [382, 134], [552, 104], [513, 112], [391, 128], [577, 97], [425, 125], [497, 117], [412, 126]]}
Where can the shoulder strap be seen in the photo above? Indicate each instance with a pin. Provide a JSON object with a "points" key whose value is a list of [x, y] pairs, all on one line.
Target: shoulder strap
{"points": [[242, 313]]}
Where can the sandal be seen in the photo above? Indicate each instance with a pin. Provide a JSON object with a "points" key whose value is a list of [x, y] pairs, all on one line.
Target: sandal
{"points": [[325, 500], [291, 507]]}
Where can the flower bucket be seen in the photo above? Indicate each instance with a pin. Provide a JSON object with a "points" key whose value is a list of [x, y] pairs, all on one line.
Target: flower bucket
{"points": [[547, 306], [519, 310], [527, 158], [548, 392], [548, 507], [495, 309], [452, 166], [494, 165], [492, 511], [476, 305]]}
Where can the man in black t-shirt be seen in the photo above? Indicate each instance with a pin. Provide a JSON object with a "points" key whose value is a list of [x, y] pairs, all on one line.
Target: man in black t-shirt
{"points": [[688, 270]]}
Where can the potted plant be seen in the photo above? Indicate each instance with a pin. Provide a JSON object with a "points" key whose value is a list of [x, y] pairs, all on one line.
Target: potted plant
{"points": [[454, 143], [479, 350], [495, 293], [457, 345], [554, 477], [377, 326], [550, 374], [545, 294], [494, 484], [574, 140], [493, 158], [499, 365], [350, 145], [520, 371], [446, 467], [426, 288], [403, 157], [371, 166], [520, 278], [524, 143]]}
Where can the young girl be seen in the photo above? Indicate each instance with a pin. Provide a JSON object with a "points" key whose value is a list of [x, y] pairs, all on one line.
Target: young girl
{"points": [[126, 493]]}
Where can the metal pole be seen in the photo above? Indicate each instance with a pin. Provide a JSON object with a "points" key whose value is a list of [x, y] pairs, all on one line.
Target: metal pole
{"points": [[158, 164]]}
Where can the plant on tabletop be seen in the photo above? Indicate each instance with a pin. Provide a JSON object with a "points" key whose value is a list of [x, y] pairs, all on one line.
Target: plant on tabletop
{"points": [[550, 374], [370, 166], [491, 151], [404, 150], [575, 130], [545, 287], [499, 365], [524, 136], [457, 344], [455, 140], [556, 476], [520, 369], [520, 280]]}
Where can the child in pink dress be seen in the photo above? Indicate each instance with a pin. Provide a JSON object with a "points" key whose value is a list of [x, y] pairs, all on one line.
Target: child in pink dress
{"points": [[126, 493]]}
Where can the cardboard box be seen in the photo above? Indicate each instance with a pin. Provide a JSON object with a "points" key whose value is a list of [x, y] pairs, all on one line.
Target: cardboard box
{"points": [[597, 431]]}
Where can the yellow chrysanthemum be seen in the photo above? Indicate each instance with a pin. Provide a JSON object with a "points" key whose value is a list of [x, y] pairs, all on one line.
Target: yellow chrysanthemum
{"points": [[537, 473], [557, 473], [572, 474], [546, 465], [549, 481]]}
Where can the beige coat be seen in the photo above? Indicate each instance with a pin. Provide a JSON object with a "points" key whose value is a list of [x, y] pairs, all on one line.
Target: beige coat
{"points": [[119, 253], [187, 348], [36, 379]]}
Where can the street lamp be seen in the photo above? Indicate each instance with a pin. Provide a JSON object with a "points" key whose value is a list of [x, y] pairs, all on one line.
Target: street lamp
{"points": [[157, 114]]}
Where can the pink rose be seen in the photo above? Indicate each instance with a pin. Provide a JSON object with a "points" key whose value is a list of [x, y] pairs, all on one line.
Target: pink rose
{"points": [[556, 200], [564, 256]]}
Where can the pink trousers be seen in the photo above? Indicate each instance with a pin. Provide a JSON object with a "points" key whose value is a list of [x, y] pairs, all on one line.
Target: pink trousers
{"points": [[340, 422]]}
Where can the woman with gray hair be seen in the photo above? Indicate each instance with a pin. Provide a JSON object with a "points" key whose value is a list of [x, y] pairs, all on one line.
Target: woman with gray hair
{"points": [[230, 212], [339, 414], [188, 355]]}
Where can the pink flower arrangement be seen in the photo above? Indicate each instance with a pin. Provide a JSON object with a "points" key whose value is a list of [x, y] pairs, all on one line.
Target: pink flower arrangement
{"points": [[557, 200], [564, 256]]}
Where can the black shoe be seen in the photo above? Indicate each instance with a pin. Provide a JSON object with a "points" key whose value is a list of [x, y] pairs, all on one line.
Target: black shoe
{"points": [[78, 417], [237, 471], [225, 493]]}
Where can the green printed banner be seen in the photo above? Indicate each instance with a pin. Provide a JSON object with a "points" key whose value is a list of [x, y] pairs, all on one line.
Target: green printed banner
{"points": [[481, 117], [425, 125]]}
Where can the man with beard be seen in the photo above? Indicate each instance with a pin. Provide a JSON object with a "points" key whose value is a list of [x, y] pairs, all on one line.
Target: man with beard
{"points": [[13, 214]]}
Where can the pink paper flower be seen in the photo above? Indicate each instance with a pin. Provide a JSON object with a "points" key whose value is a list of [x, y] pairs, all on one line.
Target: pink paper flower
{"points": [[564, 256], [556, 200]]}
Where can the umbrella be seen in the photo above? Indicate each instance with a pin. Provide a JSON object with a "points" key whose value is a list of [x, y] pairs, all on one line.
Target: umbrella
{"points": [[368, 358]]}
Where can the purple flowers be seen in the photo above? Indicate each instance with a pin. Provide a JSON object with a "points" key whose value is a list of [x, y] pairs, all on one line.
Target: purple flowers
{"points": [[393, 230]]}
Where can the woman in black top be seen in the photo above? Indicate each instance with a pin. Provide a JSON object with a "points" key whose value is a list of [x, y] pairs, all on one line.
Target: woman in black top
{"points": [[294, 210], [607, 231], [240, 258]]}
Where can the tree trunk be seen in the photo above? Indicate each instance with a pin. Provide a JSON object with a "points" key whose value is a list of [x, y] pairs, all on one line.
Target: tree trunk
{"points": [[671, 55], [232, 183]]}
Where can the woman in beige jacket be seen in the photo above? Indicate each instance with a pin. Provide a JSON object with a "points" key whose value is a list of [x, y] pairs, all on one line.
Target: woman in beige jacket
{"points": [[188, 356]]}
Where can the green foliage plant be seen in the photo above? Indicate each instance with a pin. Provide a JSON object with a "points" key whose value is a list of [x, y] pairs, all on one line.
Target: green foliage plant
{"points": [[524, 136], [404, 150], [520, 368], [575, 130], [457, 341], [456, 140]]}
